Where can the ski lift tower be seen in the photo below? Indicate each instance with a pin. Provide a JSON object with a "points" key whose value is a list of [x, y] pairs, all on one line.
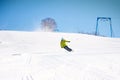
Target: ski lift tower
{"points": [[104, 19]]}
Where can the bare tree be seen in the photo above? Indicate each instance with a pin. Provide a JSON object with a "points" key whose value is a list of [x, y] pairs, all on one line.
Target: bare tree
{"points": [[48, 24]]}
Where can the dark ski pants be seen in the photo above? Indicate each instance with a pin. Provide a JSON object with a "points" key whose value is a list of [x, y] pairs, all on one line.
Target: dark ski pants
{"points": [[67, 48]]}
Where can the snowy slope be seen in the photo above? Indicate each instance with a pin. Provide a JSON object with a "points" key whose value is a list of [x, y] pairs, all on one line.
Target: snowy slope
{"points": [[38, 56]]}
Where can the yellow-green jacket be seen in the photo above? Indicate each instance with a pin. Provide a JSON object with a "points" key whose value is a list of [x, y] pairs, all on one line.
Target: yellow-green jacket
{"points": [[63, 43]]}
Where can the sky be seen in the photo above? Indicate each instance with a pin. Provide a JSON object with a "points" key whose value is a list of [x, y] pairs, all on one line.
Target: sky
{"points": [[70, 15]]}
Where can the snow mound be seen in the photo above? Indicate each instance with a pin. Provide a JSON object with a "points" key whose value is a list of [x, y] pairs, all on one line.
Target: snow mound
{"points": [[38, 56]]}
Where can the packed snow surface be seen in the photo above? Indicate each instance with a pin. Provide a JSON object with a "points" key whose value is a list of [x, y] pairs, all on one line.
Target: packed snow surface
{"points": [[38, 56]]}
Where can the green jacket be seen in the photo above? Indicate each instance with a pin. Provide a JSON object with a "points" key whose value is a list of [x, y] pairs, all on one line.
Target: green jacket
{"points": [[63, 43]]}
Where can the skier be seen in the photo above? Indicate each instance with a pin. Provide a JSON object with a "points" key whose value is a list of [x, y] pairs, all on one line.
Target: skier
{"points": [[63, 45]]}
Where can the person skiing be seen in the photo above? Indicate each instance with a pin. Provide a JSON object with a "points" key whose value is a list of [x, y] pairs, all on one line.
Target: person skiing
{"points": [[63, 45]]}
